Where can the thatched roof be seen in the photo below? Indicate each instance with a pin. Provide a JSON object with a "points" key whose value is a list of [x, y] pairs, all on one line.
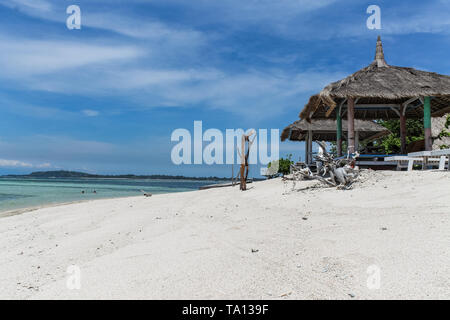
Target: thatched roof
{"points": [[381, 84], [325, 130]]}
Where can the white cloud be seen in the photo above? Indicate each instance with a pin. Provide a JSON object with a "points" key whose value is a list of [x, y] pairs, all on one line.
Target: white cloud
{"points": [[90, 113], [23, 57], [38, 149], [72, 153], [22, 164]]}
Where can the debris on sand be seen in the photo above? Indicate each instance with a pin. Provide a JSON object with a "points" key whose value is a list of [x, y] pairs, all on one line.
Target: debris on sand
{"points": [[332, 172]]}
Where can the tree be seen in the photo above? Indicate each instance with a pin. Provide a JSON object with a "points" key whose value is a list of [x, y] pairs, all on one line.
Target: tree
{"points": [[284, 165], [392, 142], [445, 133]]}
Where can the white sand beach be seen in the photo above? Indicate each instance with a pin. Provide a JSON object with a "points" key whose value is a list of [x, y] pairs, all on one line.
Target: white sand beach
{"points": [[265, 243]]}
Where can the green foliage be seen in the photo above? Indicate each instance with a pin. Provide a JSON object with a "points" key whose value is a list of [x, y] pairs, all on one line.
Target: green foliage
{"points": [[445, 133], [284, 165], [392, 142]]}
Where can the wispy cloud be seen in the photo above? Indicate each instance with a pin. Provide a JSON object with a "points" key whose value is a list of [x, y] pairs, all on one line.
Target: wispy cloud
{"points": [[28, 6], [24, 57], [90, 113]]}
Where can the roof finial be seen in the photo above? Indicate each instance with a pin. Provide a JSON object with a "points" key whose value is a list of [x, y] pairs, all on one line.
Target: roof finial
{"points": [[379, 55]]}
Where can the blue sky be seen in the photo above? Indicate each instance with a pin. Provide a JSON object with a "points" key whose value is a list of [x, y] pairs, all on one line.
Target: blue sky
{"points": [[106, 98]]}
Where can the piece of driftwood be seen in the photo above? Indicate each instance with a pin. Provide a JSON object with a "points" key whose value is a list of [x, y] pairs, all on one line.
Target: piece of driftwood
{"points": [[243, 173], [332, 172]]}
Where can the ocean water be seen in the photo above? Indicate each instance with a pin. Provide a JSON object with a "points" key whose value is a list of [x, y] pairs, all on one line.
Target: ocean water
{"points": [[20, 193]]}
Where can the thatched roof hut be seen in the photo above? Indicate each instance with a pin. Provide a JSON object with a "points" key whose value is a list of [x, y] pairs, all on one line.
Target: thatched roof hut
{"points": [[325, 130], [380, 90]]}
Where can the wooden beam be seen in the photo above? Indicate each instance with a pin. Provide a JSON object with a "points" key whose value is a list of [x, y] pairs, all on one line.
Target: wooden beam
{"points": [[351, 124], [377, 106], [441, 112], [407, 102], [397, 111], [329, 111]]}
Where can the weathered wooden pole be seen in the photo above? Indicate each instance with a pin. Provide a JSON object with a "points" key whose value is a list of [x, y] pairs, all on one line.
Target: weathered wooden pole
{"points": [[306, 147], [427, 123], [403, 130], [243, 182], [351, 124], [310, 136], [339, 132], [244, 158]]}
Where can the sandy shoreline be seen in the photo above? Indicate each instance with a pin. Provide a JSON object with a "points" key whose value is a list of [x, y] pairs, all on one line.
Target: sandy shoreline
{"points": [[269, 242], [13, 212]]}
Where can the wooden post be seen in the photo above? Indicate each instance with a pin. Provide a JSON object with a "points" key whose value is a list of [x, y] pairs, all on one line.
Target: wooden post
{"points": [[243, 185], [403, 129], [427, 123], [351, 124], [310, 136], [244, 158], [306, 147], [339, 132]]}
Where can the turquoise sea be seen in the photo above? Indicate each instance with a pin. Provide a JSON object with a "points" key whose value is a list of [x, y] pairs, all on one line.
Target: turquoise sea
{"points": [[20, 193]]}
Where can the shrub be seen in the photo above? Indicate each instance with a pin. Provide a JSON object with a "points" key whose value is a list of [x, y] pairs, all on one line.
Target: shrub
{"points": [[284, 165]]}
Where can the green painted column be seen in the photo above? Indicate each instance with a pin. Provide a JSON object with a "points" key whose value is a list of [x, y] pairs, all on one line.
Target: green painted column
{"points": [[339, 132], [351, 125], [427, 123]]}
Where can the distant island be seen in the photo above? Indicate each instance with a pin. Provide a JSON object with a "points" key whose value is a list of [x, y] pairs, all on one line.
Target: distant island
{"points": [[75, 174]]}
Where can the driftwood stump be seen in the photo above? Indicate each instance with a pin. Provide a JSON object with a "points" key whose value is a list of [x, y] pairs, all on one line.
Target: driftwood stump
{"points": [[244, 158]]}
